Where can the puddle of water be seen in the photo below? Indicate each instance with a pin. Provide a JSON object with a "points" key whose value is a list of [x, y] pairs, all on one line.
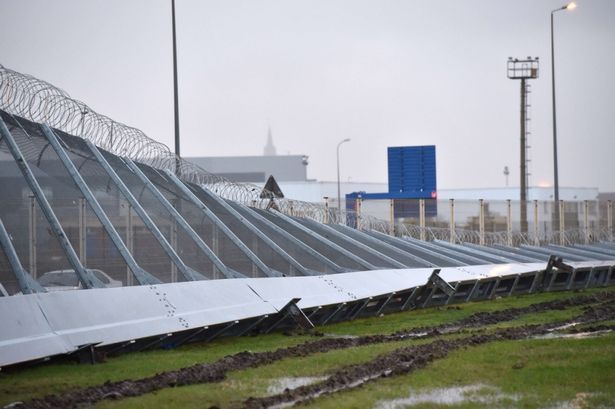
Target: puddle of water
{"points": [[450, 396], [414, 335], [279, 385], [579, 402], [563, 327], [341, 336], [578, 335]]}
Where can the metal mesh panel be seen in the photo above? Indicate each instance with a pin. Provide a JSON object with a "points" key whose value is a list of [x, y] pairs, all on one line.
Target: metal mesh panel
{"points": [[255, 243], [340, 241], [324, 249], [381, 247], [221, 245], [66, 200], [303, 257]]}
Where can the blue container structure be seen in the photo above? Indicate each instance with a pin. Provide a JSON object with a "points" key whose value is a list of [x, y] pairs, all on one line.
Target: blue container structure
{"points": [[412, 176], [412, 171]]}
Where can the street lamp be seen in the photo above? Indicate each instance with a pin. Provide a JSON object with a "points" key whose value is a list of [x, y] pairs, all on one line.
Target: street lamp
{"points": [[175, 92], [339, 198], [569, 6]]}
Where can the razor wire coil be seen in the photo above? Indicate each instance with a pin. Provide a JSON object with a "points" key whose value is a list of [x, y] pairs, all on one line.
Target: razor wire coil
{"points": [[39, 101]]}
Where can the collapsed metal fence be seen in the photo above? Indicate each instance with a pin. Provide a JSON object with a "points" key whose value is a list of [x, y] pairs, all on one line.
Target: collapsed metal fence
{"points": [[111, 211]]}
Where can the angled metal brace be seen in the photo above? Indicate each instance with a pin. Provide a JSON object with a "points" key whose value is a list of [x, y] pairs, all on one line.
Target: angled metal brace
{"points": [[384, 303], [159, 340], [121, 346], [450, 297], [253, 325], [607, 280], [313, 313], [428, 298], [360, 308], [333, 314], [179, 219], [87, 279], [86, 354], [514, 285], [346, 238], [287, 236], [326, 241], [220, 224], [538, 277], [293, 311], [590, 275], [142, 276], [495, 287], [220, 331], [27, 284], [189, 337], [473, 290], [571, 279], [270, 243], [411, 298], [188, 273]]}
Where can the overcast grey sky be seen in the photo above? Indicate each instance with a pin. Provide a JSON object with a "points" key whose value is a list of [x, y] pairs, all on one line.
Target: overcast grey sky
{"points": [[382, 72]]}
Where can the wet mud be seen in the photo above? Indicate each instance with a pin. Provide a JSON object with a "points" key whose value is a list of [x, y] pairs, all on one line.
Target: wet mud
{"points": [[408, 359], [400, 361]]}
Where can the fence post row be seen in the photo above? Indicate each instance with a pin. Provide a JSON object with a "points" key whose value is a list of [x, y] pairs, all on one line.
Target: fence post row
{"points": [[536, 238], [422, 219], [509, 239], [609, 219], [481, 222], [562, 217], [452, 220], [392, 217]]}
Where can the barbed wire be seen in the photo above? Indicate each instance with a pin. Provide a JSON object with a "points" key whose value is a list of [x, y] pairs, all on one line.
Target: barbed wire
{"points": [[39, 101]]}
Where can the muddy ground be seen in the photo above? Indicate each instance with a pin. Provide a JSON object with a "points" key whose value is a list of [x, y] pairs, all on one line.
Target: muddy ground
{"points": [[599, 307], [408, 359]]}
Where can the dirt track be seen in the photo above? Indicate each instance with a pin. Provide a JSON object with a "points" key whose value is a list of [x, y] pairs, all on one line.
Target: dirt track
{"points": [[599, 307], [408, 359]]}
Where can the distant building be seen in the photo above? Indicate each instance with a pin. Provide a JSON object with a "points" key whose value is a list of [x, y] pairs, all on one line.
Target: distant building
{"points": [[256, 169]]}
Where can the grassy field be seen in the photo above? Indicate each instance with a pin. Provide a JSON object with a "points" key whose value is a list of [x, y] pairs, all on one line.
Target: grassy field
{"points": [[532, 373]]}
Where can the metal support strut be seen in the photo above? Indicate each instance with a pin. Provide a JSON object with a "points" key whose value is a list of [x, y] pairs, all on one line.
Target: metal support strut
{"points": [[141, 275], [87, 279]]}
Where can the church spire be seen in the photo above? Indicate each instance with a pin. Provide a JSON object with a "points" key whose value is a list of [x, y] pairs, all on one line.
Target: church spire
{"points": [[269, 147]]}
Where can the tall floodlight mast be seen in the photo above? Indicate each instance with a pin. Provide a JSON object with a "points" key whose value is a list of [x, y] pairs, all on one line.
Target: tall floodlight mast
{"points": [[523, 70]]}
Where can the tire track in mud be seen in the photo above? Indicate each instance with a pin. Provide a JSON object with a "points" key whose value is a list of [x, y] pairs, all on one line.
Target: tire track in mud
{"points": [[216, 371], [408, 359]]}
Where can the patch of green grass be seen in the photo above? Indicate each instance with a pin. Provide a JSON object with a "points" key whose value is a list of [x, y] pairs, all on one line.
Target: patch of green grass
{"points": [[42, 380], [539, 372]]}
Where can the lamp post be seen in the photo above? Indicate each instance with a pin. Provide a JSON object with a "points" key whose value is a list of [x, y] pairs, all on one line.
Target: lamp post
{"points": [[339, 196], [175, 92], [569, 6]]}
